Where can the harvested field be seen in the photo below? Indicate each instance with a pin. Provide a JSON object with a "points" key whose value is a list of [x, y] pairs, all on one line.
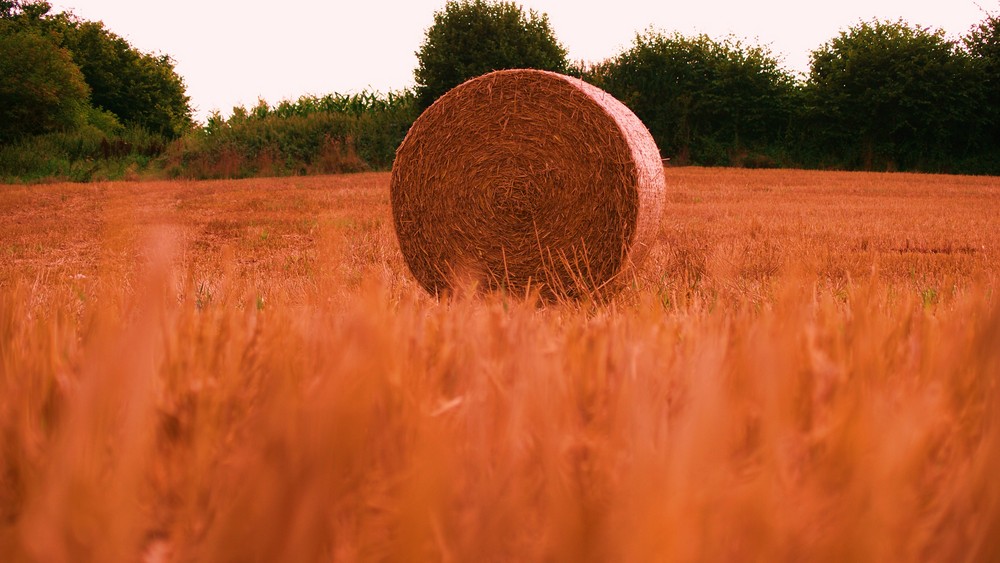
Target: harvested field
{"points": [[805, 368]]}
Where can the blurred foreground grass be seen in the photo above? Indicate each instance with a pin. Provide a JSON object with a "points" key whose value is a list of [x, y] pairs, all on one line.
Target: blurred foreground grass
{"points": [[805, 368]]}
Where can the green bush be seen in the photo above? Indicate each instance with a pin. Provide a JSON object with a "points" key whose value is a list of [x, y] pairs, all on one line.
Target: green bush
{"points": [[334, 133], [704, 101], [81, 155]]}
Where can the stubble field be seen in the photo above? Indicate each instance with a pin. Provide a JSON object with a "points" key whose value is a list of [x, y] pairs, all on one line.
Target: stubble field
{"points": [[805, 368]]}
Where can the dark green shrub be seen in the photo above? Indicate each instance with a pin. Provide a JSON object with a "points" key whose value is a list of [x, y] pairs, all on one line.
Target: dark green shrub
{"points": [[334, 133]]}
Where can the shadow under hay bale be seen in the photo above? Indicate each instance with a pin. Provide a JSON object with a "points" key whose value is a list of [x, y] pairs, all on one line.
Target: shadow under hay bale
{"points": [[523, 179]]}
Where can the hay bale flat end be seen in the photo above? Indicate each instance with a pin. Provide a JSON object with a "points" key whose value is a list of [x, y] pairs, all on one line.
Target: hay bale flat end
{"points": [[526, 178]]}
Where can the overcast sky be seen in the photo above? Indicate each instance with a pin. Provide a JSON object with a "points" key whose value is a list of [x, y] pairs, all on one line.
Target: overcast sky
{"points": [[232, 52]]}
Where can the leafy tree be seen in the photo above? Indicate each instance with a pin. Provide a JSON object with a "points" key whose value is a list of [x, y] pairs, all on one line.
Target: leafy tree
{"points": [[35, 16], [138, 88], [141, 89], [41, 90], [703, 100], [470, 38], [887, 93], [13, 9], [983, 44]]}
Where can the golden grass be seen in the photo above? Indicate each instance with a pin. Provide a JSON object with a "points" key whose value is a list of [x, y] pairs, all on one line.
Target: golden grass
{"points": [[805, 369]]}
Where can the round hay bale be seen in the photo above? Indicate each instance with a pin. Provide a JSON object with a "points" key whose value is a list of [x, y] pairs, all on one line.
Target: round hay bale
{"points": [[526, 178]]}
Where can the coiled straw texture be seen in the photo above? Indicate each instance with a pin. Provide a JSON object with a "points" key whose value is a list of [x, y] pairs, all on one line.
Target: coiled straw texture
{"points": [[523, 179]]}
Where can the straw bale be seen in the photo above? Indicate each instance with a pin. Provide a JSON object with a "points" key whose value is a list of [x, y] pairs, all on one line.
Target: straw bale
{"points": [[526, 178]]}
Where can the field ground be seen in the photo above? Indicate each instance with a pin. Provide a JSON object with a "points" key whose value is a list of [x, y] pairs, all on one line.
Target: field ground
{"points": [[806, 368]]}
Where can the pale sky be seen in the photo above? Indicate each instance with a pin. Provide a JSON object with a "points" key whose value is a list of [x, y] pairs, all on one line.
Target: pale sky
{"points": [[232, 52]]}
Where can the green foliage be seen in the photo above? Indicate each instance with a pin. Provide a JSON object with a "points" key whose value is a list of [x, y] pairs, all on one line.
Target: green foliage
{"points": [[41, 90], [81, 155], [983, 44], [334, 133], [78, 102], [140, 88], [470, 38], [704, 101], [17, 9], [891, 95]]}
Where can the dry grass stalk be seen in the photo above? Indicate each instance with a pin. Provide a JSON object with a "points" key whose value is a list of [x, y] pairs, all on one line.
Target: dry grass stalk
{"points": [[524, 178], [806, 369]]}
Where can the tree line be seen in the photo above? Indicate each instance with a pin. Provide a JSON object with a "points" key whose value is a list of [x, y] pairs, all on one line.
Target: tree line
{"points": [[881, 95]]}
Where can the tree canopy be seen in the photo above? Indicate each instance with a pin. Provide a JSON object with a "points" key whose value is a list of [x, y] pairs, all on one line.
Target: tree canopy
{"points": [[890, 92], [61, 52], [983, 44], [470, 38], [139, 88], [41, 89]]}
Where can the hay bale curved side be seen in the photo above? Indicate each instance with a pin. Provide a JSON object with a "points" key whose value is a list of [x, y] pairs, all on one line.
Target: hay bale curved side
{"points": [[523, 178]]}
